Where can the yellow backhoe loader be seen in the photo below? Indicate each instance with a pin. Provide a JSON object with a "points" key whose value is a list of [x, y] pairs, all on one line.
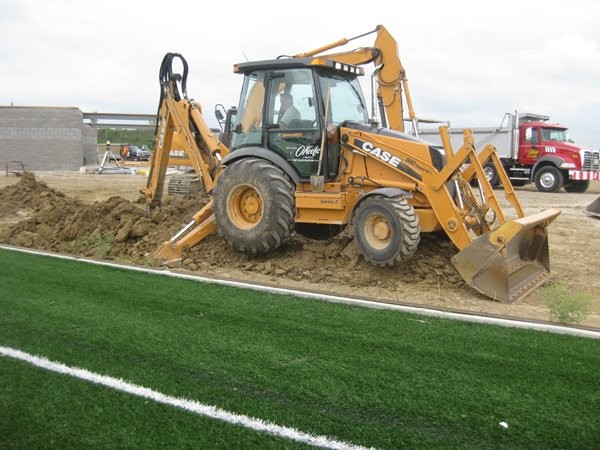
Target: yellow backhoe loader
{"points": [[322, 164]]}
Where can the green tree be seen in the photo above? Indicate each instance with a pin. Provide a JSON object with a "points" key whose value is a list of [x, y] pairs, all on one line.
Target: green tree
{"points": [[119, 136]]}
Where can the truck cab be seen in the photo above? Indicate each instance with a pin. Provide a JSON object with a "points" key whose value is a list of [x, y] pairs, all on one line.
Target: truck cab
{"points": [[554, 159]]}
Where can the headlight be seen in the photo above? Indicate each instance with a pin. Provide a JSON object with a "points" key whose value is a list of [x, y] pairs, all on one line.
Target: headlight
{"points": [[567, 165]]}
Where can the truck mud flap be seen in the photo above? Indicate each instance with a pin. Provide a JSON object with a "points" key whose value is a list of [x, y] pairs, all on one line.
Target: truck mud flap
{"points": [[593, 209], [508, 262]]}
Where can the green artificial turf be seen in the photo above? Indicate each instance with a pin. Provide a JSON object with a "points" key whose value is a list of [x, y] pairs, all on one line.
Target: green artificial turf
{"points": [[46, 410], [371, 377]]}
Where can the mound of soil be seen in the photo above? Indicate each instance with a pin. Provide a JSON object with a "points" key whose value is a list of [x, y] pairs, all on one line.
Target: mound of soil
{"points": [[104, 218], [37, 216]]}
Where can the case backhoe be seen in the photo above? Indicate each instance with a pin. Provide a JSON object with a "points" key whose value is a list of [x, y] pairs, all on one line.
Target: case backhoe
{"points": [[331, 167]]}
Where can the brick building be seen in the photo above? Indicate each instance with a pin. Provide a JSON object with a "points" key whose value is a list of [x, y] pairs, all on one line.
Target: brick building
{"points": [[46, 138]]}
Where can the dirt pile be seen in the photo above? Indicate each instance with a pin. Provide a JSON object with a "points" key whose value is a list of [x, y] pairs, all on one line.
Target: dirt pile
{"points": [[37, 216], [101, 217]]}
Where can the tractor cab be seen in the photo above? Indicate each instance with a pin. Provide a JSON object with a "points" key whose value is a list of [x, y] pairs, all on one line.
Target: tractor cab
{"points": [[287, 106]]}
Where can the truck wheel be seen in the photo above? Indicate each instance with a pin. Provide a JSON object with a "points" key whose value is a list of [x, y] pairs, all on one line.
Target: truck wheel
{"points": [[254, 205], [548, 179], [577, 186], [491, 174], [386, 230]]}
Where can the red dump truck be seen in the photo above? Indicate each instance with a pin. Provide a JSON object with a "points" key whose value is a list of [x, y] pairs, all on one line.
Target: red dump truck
{"points": [[532, 149]]}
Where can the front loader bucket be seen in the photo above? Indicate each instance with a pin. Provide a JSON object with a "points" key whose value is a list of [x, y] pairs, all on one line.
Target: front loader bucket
{"points": [[593, 209], [511, 260]]}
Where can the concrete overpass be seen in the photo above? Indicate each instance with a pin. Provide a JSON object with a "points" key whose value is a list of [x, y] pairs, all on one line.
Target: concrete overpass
{"points": [[119, 120]]}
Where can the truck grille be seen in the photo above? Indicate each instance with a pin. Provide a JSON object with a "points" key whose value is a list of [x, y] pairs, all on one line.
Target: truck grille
{"points": [[591, 161]]}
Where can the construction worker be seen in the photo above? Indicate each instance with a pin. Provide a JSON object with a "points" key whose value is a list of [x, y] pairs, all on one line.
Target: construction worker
{"points": [[288, 112]]}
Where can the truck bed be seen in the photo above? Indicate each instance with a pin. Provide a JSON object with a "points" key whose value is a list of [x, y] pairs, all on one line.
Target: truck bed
{"points": [[501, 138]]}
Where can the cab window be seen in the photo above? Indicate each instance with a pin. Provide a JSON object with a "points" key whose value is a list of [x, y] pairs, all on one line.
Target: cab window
{"points": [[297, 85], [531, 136], [345, 99], [248, 127]]}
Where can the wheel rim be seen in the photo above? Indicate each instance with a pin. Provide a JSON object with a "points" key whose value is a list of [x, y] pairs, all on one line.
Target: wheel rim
{"points": [[489, 173], [244, 207], [547, 180], [377, 231]]}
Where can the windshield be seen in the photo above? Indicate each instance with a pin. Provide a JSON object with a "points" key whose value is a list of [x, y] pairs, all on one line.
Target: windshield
{"points": [[248, 126], [555, 134], [346, 101]]}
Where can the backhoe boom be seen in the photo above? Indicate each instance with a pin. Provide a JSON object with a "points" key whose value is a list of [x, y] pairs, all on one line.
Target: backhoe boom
{"points": [[391, 76], [177, 113]]}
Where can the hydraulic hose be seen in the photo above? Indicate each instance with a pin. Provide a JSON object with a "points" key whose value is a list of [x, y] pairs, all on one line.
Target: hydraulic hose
{"points": [[168, 80]]}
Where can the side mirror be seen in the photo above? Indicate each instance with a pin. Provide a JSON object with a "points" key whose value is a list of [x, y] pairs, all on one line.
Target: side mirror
{"points": [[220, 114]]}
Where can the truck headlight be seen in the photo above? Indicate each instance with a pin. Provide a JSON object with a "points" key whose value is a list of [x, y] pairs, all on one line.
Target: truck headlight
{"points": [[567, 165]]}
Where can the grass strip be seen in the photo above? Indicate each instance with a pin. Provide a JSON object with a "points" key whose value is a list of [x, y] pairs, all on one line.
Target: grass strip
{"points": [[372, 377]]}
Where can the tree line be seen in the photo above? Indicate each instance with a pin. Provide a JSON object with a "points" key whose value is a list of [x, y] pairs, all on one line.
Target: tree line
{"points": [[118, 136]]}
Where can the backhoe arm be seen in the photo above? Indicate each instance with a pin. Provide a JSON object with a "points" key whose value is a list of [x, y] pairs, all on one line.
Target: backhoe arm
{"points": [[177, 113], [391, 76]]}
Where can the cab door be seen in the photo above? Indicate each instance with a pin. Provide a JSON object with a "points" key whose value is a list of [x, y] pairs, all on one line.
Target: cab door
{"points": [[298, 141], [529, 148]]}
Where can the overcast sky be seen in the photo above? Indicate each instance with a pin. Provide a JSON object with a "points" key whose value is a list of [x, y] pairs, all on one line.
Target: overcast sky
{"points": [[468, 62]]}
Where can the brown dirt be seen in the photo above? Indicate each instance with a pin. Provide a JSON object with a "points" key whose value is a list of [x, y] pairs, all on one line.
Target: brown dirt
{"points": [[101, 216]]}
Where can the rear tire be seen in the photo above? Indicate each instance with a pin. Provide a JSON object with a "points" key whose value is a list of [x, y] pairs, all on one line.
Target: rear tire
{"points": [[577, 186], [491, 174], [386, 230], [548, 179], [254, 206]]}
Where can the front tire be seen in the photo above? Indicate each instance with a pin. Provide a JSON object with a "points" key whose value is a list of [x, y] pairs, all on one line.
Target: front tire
{"points": [[254, 206], [386, 230], [548, 179]]}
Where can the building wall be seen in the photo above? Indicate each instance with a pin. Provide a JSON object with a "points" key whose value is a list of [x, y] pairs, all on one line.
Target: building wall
{"points": [[46, 138], [90, 145]]}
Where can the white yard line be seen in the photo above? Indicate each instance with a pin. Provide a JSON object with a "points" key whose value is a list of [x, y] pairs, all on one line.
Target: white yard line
{"points": [[513, 323], [188, 405]]}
